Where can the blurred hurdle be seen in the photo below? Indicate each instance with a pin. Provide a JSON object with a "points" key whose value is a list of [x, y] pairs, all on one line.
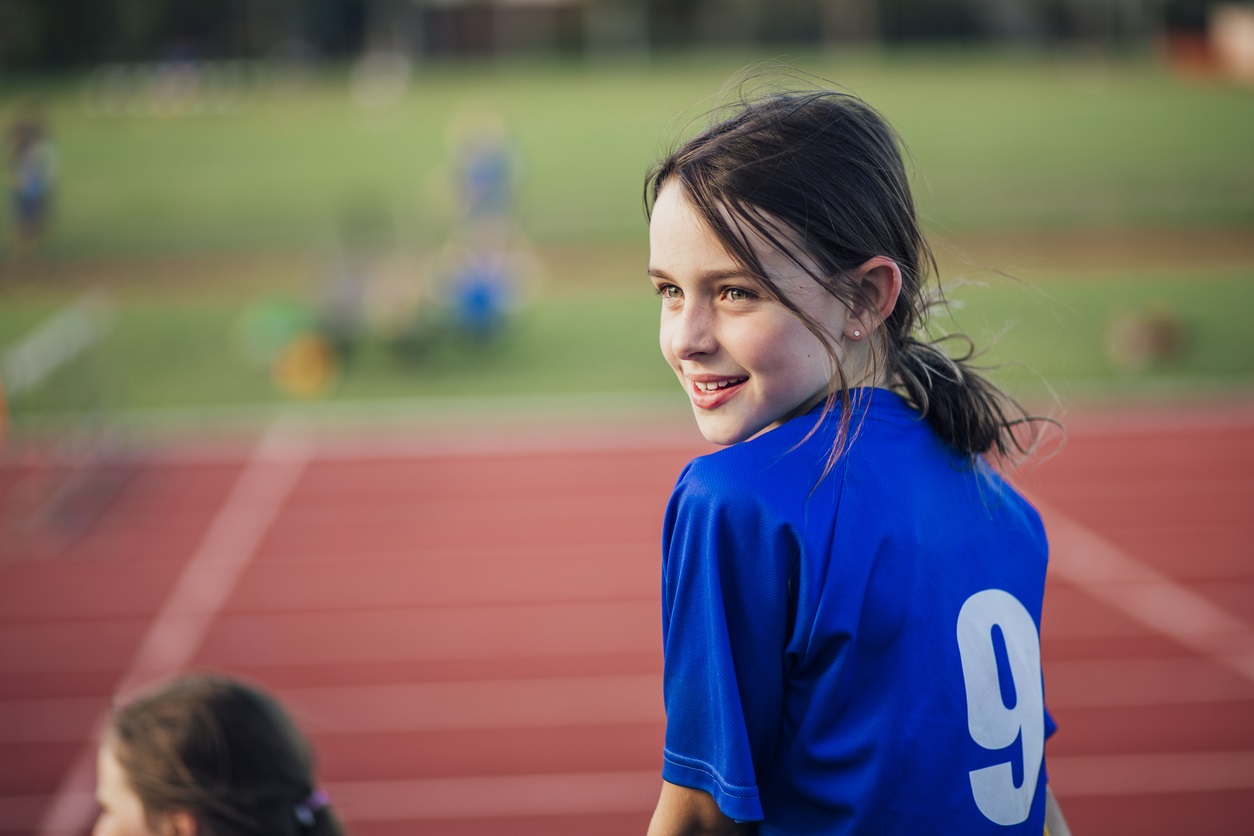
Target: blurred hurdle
{"points": [[59, 454]]}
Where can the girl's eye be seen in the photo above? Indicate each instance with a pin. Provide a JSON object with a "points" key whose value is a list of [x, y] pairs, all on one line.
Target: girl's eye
{"points": [[737, 294], [669, 291]]}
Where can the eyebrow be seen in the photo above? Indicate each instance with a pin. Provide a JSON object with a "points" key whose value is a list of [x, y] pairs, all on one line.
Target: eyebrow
{"points": [[708, 275]]}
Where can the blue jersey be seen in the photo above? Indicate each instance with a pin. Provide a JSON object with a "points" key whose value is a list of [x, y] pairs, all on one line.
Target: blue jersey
{"points": [[855, 652]]}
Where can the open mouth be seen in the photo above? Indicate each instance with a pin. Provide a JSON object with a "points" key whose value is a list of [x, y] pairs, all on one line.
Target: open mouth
{"points": [[709, 394]]}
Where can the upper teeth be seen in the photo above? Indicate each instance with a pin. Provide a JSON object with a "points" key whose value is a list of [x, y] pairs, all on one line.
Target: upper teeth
{"points": [[711, 387]]}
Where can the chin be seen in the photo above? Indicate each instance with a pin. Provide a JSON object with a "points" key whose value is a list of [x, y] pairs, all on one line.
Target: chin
{"points": [[724, 433]]}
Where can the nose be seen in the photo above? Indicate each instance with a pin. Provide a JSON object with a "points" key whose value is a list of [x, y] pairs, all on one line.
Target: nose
{"points": [[692, 332]]}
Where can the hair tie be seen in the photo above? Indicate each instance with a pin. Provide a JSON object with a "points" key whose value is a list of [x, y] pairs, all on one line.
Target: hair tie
{"points": [[306, 809]]}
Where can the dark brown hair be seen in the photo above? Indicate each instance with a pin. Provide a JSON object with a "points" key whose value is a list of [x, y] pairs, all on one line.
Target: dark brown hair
{"points": [[819, 176], [225, 752]]}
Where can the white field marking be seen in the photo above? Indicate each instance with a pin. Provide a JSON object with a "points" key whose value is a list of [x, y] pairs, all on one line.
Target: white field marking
{"points": [[1150, 773], [1147, 596], [510, 796], [58, 340], [202, 588]]}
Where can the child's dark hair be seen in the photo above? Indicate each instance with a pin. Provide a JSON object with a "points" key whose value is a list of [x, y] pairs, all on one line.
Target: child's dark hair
{"points": [[226, 753], [823, 169]]}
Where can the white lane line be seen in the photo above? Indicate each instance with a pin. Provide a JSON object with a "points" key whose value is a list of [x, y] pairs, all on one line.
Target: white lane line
{"points": [[210, 575], [1147, 596], [203, 587], [498, 796], [1150, 773]]}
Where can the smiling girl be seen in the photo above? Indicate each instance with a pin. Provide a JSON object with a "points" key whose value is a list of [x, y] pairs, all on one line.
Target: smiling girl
{"points": [[851, 593]]}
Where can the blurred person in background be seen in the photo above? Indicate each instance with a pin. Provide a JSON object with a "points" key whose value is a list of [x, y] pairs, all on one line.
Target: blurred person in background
{"points": [[207, 755], [32, 168], [486, 167], [487, 261]]}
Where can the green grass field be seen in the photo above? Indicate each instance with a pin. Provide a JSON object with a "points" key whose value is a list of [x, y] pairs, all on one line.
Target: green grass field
{"points": [[189, 219], [1006, 143]]}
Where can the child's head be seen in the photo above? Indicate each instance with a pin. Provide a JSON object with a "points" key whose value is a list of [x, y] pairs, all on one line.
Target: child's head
{"points": [[207, 756], [800, 191]]}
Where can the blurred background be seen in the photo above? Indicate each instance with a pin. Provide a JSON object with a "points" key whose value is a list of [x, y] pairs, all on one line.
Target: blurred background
{"points": [[231, 177], [427, 214]]}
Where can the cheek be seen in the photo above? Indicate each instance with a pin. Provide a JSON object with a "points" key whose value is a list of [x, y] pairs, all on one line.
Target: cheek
{"points": [[777, 348], [795, 354]]}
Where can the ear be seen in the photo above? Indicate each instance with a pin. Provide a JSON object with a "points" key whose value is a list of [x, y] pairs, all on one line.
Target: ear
{"points": [[179, 823], [879, 283]]}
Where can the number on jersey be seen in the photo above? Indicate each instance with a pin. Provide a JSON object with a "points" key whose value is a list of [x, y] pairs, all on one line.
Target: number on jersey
{"points": [[994, 724]]}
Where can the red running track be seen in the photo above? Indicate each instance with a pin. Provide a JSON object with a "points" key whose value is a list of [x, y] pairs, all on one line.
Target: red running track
{"points": [[470, 633]]}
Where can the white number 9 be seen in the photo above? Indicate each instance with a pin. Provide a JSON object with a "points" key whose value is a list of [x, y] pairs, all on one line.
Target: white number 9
{"points": [[993, 725]]}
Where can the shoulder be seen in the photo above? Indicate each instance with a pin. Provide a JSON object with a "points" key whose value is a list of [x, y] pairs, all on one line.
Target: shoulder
{"points": [[770, 470]]}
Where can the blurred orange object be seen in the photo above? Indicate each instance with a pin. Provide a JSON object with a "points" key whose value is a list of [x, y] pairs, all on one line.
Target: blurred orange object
{"points": [[307, 366]]}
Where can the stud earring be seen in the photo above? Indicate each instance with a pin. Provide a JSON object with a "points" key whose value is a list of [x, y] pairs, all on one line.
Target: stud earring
{"points": [[856, 333]]}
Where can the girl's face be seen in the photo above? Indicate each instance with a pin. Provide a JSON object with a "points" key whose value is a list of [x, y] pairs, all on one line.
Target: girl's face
{"points": [[746, 361], [121, 811]]}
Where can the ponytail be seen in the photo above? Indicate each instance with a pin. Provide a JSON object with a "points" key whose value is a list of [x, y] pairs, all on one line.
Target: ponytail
{"points": [[966, 409]]}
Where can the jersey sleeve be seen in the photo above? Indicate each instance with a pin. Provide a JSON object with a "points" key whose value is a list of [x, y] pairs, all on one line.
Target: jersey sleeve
{"points": [[725, 622]]}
